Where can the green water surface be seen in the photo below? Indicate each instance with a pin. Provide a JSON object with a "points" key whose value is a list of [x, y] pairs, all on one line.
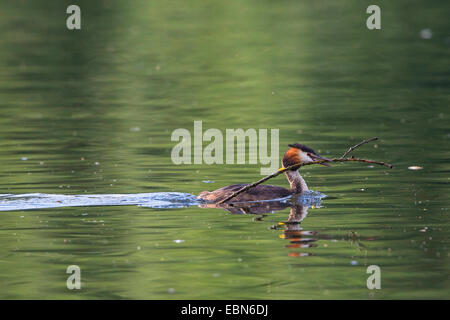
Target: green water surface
{"points": [[91, 111]]}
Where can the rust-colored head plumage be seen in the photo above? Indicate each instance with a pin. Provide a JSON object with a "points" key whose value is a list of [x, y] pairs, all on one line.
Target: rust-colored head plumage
{"points": [[291, 157]]}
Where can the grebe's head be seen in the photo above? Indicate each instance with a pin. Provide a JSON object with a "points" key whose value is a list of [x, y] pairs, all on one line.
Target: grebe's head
{"points": [[299, 153]]}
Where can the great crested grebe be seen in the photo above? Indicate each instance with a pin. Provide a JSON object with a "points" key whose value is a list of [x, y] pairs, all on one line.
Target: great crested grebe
{"points": [[297, 153]]}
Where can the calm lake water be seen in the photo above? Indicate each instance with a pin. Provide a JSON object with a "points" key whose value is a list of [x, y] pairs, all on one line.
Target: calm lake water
{"points": [[91, 112]]}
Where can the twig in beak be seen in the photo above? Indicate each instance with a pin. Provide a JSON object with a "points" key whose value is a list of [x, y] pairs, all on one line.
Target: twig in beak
{"points": [[315, 157]]}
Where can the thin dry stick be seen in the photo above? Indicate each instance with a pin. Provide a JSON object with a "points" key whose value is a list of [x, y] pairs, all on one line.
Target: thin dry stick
{"points": [[298, 165], [358, 145]]}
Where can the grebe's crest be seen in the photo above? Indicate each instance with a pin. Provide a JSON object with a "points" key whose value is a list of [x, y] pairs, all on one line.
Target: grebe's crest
{"points": [[302, 147]]}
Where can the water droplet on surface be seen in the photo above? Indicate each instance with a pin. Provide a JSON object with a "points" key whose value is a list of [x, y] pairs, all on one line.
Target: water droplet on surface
{"points": [[426, 33]]}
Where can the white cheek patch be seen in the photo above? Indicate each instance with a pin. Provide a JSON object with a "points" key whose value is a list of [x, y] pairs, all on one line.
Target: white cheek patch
{"points": [[304, 157]]}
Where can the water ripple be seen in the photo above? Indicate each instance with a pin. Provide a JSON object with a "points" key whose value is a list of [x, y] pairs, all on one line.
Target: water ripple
{"points": [[10, 202]]}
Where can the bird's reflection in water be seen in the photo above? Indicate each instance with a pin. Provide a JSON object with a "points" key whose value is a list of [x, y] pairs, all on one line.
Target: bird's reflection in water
{"points": [[298, 238], [292, 230]]}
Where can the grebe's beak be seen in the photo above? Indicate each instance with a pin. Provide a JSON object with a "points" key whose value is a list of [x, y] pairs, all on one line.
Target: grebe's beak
{"points": [[316, 157]]}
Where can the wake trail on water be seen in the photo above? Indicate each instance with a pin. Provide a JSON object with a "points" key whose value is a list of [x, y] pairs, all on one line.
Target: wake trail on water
{"points": [[29, 201], [160, 200]]}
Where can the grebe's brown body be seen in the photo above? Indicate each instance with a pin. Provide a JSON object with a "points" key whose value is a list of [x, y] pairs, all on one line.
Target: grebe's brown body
{"points": [[297, 153]]}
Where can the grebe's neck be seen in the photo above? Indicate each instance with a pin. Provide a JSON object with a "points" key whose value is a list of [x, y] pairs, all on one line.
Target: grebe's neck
{"points": [[297, 183]]}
